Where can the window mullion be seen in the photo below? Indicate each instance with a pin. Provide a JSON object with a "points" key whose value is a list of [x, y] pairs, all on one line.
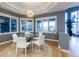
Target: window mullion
{"points": [[48, 25], [41, 26], [10, 24]]}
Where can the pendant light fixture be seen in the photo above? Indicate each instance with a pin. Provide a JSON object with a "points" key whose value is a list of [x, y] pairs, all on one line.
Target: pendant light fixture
{"points": [[30, 13]]}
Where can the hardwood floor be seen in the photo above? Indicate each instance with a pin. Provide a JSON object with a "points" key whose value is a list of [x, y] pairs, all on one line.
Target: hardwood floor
{"points": [[56, 52], [3, 46]]}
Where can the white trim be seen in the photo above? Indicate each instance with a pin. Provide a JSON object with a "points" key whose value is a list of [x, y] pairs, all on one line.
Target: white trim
{"points": [[3, 14], [48, 32], [5, 33], [52, 40], [47, 18], [10, 25], [6, 42], [7, 15]]}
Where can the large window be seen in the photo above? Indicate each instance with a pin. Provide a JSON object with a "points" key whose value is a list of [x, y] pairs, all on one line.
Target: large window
{"points": [[5, 27], [75, 22], [52, 25], [25, 25], [66, 18], [46, 24], [14, 23], [8, 24], [39, 25], [29, 24]]}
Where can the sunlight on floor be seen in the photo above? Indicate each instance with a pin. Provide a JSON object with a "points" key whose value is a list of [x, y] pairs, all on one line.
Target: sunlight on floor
{"points": [[74, 46]]}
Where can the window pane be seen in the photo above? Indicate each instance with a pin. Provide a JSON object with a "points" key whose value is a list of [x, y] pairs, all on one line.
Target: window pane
{"points": [[39, 24], [52, 25], [74, 27], [66, 16], [23, 25], [65, 27], [0, 27], [29, 25], [78, 16], [45, 26], [5, 27], [74, 16], [13, 25]]}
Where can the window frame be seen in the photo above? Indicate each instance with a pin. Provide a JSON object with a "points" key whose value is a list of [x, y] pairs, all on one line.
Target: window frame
{"points": [[26, 25], [75, 22], [47, 18], [17, 24], [32, 25], [10, 16]]}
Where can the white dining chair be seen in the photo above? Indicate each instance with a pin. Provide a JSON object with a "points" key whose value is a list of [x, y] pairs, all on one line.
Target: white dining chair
{"points": [[21, 43], [40, 41], [14, 36], [39, 35]]}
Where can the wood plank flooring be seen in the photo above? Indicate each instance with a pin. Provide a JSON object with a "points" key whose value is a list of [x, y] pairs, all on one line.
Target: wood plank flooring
{"points": [[53, 44]]}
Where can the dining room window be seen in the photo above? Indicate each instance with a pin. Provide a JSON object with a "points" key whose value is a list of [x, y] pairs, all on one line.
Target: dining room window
{"points": [[52, 25], [14, 25], [39, 26], [46, 24], [25, 25], [29, 25], [8, 24], [4, 24]]}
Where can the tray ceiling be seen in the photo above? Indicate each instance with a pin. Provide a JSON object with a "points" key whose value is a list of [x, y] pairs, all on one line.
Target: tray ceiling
{"points": [[37, 7]]}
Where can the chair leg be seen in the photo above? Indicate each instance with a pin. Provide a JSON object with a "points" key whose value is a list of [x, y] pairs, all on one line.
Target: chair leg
{"points": [[30, 47], [16, 51], [12, 44]]}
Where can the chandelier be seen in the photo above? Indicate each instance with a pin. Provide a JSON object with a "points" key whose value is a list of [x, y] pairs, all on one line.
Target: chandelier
{"points": [[30, 13]]}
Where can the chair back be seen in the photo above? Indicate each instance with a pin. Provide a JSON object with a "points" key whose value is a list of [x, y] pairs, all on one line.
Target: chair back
{"points": [[21, 39], [40, 34], [27, 33], [15, 37], [41, 39], [21, 42]]}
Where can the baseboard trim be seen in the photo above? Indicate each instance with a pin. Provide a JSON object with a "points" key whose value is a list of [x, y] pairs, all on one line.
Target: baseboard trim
{"points": [[65, 50], [6, 42], [52, 40]]}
